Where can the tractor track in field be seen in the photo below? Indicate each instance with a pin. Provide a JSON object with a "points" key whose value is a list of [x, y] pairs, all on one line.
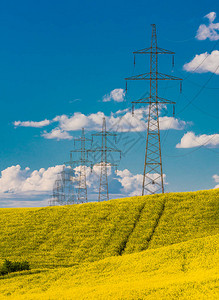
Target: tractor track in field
{"points": [[123, 246], [156, 224]]}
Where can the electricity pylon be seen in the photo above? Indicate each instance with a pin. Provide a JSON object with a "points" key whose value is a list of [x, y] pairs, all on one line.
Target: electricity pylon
{"points": [[63, 189], [104, 150], [153, 172], [82, 162]]}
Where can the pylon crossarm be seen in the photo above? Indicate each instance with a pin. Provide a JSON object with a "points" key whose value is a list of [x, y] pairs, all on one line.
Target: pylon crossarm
{"points": [[108, 149], [153, 76], [151, 50], [149, 100], [83, 161], [107, 164], [82, 139], [113, 149], [78, 150], [107, 133], [164, 51], [76, 162]]}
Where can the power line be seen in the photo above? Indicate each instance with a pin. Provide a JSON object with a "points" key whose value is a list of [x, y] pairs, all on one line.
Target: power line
{"points": [[104, 162], [191, 73], [197, 148], [82, 162], [153, 172]]}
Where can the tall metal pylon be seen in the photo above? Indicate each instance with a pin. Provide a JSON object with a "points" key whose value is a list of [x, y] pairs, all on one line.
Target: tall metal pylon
{"points": [[82, 162], [105, 162], [153, 171]]}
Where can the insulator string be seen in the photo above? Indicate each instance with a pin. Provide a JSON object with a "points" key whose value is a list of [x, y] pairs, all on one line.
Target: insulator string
{"points": [[173, 62]]}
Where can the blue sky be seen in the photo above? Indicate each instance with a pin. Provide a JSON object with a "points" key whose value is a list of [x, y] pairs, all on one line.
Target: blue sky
{"points": [[65, 57]]}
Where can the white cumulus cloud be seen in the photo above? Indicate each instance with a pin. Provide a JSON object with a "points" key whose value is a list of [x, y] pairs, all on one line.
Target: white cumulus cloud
{"points": [[210, 31], [117, 95], [132, 183], [75, 122], [14, 180], [121, 121], [171, 123], [57, 134], [203, 63], [32, 123], [23, 187], [216, 179], [190, 140]]}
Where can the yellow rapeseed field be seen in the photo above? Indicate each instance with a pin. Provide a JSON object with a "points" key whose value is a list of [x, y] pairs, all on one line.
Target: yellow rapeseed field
{"points": [[151, 247]]}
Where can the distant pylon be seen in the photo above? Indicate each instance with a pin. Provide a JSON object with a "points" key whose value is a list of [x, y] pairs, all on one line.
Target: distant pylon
{"points": [[153, 172], [63, 189], [82, 162], [104, 162]]}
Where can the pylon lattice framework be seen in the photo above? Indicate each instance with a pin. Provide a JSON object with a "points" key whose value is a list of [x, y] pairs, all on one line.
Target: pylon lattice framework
{"points": [[104, 163], [82, 162], [63, 189], [153, 172]]}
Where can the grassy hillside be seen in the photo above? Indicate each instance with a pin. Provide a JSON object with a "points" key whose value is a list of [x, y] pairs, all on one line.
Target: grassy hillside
{"points": [[182, 271], [150, 247]]}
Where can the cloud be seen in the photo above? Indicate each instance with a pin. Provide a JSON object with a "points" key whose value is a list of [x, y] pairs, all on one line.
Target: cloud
{"points": [[216, 179], [132, 184], [75, 100], [121, 111], [211, 31], [122, 183], [32, 123], [25, 188], [57, 134], [171, 123], [203, 63], [190, 140], [117, 95], [79, 120], [121, 121], [14, 180]]}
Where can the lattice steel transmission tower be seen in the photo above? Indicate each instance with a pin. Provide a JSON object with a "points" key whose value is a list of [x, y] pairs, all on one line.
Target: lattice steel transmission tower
{"points": [[63, 189], [82, 162], [153, 172], [105, 162]]}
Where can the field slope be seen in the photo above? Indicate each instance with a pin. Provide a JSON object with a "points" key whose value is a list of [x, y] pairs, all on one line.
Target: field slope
{"points": [[151, 247]]}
